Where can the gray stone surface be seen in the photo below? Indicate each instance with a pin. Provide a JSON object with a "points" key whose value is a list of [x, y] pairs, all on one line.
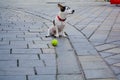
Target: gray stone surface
{"points": [[90, 58], [42, 77], [113, 50], [5, 51], [70, 77], [66, 60], [13, 46], [93, 65], [9, 63], [46, 70], [105, 54], [8, 57], [33, 46], [48, 51], [20, 42], [26, 51], [67, 63], [31, 63], [16, 71], [99, 73], [4, 42], [104, 79], [49, 59], [65, 47], [105, 47], [12, 78]]}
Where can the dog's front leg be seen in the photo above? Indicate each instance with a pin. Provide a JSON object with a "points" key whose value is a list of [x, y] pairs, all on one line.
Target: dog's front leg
{"points": [[57, 33], [63, 34]]}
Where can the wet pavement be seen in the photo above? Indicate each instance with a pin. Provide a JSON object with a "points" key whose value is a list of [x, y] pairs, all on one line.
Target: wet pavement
{"points": [[91, 51]]}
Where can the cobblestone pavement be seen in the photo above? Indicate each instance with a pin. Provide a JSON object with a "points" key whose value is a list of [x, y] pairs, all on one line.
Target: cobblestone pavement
{"points": [[91, 51]]}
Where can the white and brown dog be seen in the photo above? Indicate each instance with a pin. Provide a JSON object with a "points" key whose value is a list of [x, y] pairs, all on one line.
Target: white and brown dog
{"points": [[57, 28]]}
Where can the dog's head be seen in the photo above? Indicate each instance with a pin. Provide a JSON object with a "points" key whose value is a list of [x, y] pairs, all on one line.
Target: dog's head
{"points": [[66, 9]]}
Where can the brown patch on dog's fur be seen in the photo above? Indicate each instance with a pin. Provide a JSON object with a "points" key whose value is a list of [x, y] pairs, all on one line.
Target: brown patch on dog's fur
{"points": [[62, 8], [59, 5]]}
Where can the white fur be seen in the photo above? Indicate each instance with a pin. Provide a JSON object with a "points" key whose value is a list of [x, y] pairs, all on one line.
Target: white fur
{"points": [[58, 28]]}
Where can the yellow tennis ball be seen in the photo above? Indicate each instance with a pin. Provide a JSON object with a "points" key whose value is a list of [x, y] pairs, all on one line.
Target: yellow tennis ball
{"points": [[54, 42]]}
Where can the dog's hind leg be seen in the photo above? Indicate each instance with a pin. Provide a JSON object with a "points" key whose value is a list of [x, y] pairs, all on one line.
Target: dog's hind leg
{"points": [[63, 34], [57, 32], [49, 33]]}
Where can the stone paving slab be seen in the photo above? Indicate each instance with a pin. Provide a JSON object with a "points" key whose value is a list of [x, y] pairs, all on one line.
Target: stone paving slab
{"points": [[8, 57], [34, 46], [31, 63], [26, 51], [94, 65], [16, 71], [70, 77], [46, 70], [66, 61], [48, 59], [67, 64], [12, 77], [103, 79], [105, 47], [10, 63], [106, 73], [49, 51], [13, 46], [105, 54], [42, 77], [90, 58], [114, 50], [5, 51]]}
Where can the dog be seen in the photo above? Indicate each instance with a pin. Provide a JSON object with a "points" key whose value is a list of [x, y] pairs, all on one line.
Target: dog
{"points": [[57, 29]]}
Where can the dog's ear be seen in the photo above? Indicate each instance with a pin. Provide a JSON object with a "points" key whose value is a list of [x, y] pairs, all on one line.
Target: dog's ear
{"points": [[62, 8]]}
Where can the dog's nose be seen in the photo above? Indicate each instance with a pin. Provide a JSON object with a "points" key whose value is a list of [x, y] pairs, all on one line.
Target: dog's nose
{"points": [[73, 11]]}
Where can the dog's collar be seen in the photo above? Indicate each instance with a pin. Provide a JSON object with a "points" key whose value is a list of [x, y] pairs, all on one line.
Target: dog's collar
{"points": [[61, 19]]}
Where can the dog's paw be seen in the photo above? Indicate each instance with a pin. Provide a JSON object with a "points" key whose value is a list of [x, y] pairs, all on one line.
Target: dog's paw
{"points": [[64, 35], [56, 36], [47, 36]]}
